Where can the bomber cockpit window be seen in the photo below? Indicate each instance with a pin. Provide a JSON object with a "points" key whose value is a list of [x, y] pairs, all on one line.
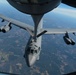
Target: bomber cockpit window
{"points": [[32, 51]]}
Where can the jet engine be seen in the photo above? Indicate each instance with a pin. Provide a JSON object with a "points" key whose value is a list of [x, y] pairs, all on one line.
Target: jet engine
{"points": [[6, 28], [68, 40], [2, 20], [72, 42]]}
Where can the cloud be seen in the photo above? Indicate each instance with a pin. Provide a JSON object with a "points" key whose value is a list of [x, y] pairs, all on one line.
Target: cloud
{"points": [[66, 11], [3, 2]]}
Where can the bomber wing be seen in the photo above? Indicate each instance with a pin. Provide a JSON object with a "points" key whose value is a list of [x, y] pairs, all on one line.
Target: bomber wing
{"points": [[27, 27], [58, 31]]}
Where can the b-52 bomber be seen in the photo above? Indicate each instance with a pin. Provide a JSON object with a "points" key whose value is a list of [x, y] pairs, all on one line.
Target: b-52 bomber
{"points": [[37, 9]]}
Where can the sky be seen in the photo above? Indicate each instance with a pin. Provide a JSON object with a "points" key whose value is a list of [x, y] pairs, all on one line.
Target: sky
{"points": [[66, 10]]}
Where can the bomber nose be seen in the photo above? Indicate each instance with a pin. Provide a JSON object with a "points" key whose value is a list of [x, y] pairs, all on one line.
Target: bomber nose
{"points": [[31, 60]]}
